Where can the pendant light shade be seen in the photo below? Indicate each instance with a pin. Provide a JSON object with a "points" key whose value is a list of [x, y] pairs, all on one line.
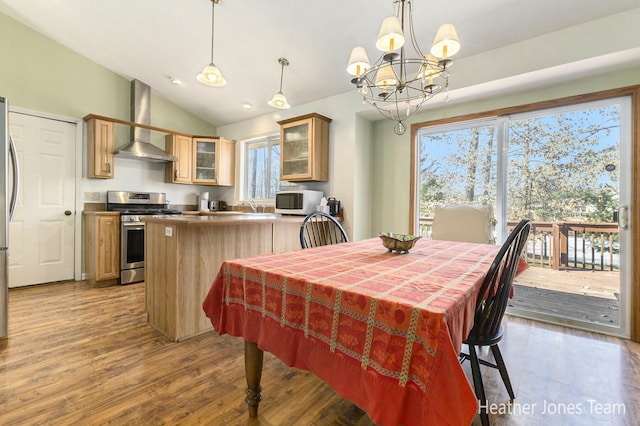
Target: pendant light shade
{"points": [[279, 100], [211, 75]]}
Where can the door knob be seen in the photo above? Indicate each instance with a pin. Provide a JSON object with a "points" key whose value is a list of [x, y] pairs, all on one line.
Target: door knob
{"points": [[67, 212]]}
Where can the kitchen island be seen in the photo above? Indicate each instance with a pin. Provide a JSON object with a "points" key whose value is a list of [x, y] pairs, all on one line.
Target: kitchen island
{"points": [[184, 253]]}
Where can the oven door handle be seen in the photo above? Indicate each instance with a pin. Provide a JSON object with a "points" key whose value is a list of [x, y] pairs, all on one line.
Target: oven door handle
{"points": [[134, 225]]}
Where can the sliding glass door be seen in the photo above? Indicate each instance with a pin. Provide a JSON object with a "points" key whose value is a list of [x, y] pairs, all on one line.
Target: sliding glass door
{"points": [[568, 170]]}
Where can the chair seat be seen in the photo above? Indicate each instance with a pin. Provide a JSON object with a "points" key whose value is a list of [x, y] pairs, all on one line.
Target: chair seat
{"points": [[485, 340]]}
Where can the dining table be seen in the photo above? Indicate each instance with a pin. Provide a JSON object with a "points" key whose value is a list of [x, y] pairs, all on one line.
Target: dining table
{"points": [[383, 329]]}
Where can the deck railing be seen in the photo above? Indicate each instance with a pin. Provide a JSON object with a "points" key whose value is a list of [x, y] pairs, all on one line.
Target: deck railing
{"points": [[565, 245]]}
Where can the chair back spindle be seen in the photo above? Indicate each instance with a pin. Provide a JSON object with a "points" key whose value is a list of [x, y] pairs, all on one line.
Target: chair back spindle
{"points": [[493, 297], [320, 229]]}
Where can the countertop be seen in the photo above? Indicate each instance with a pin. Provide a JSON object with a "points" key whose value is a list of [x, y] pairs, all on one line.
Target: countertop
{"points": [[103, 213], [221, 218]]}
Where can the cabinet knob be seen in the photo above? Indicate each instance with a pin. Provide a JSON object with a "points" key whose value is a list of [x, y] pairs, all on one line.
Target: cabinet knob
{"points": [[177, 173], [108, 167], [67, 212]]}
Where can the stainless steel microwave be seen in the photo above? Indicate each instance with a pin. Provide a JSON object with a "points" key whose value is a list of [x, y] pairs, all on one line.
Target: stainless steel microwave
{"points": [[300, 202]]}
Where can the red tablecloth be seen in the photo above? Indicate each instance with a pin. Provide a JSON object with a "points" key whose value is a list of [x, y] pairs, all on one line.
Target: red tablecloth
{"points": [[382, 329]]}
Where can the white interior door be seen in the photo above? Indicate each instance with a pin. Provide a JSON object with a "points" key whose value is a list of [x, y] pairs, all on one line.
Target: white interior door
{"points": [[41, 235]]}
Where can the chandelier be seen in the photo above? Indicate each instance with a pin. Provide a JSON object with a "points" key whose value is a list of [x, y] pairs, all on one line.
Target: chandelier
{"points": [[398, 84]]}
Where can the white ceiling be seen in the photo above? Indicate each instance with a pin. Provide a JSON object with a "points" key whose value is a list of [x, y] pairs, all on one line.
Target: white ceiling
{"points": [[152, 40]]}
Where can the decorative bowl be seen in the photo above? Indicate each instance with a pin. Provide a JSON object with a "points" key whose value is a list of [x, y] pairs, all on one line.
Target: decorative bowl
{"points": [[400, 243]]}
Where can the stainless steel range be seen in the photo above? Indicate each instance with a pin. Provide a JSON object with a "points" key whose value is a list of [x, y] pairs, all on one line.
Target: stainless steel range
{"points": [[133, 206]]}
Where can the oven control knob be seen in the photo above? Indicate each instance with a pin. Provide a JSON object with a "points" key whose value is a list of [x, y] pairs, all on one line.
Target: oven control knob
{"points": [[67, 212]]}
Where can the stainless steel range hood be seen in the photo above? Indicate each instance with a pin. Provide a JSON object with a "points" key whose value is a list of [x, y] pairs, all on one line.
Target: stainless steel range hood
{"points": [[141, 147]]}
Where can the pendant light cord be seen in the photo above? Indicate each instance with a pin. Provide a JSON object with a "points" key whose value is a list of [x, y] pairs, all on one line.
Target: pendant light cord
{"points": [[213, 8]]}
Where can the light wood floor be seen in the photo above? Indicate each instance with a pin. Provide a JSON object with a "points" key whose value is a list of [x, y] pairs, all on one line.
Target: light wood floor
{"points": [[83, 356], [604, 284]]}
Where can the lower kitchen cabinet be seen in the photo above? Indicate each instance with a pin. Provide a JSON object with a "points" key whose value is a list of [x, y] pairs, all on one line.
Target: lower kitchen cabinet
{"points": [[184, 256], [286, 235], [102, 248]]}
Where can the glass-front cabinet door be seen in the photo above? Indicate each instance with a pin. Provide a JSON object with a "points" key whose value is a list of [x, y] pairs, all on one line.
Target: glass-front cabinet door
{"points": [[295, 150], [304, 148], [204, 160]]}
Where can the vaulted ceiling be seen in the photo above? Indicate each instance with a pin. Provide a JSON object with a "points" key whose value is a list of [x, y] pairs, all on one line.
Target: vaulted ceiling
{"points": [[156, 40]]}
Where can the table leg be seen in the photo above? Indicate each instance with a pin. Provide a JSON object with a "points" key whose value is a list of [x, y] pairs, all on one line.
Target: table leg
{"points": [[253, 371]]}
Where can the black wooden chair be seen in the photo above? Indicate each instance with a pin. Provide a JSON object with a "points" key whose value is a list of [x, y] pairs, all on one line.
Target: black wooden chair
{"points": [[490, 307], [321, 229]]}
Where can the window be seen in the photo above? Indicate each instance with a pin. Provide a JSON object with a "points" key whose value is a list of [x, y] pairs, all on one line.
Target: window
{"points": [[457, 164], [262, 168]]}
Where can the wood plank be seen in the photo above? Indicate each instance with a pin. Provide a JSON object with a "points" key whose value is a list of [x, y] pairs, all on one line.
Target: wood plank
{"points": [[83, 355]]}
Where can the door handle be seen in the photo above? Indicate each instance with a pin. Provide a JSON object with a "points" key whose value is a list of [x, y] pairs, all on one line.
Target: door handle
{"points": [[623, 217], [16, 178], [67, 212]]}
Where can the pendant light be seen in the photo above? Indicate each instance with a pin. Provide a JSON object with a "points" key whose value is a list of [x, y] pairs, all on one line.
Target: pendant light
{"points": [[279, 100], [211, 75]]}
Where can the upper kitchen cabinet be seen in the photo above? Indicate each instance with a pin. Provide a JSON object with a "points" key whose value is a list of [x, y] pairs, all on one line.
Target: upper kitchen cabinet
{"points": [[180, 146], [100, 144], [304, 148], [213, 161]]}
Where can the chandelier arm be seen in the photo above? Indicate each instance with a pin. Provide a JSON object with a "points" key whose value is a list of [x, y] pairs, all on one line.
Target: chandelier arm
{"points": [[386, 114], [395, 7], [397, 104], [403, 72], [412, 32]]}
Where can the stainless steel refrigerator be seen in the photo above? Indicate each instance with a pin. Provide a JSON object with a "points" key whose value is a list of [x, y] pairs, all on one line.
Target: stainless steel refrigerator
{"points": [[9, 177]]}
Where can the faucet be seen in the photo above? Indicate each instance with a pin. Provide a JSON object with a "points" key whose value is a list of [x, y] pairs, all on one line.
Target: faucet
{"points": [[251, 204]]}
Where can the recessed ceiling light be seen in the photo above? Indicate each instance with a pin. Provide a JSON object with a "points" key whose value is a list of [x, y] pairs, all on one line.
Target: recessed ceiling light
{"points": [[247, 106], [175, 81]]}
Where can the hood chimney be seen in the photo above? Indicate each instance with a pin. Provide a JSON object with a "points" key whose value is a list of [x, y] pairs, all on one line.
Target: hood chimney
{"points": [[140, 147]]}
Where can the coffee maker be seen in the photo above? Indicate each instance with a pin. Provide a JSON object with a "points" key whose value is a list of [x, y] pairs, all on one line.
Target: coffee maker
{"points": [[334, 206], [202, 201]]}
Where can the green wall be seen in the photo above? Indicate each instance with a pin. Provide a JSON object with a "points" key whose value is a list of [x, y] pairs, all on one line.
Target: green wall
{"points": [[41, 75]]}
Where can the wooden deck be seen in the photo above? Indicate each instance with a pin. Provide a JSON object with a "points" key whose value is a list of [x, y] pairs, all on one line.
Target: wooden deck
{"points": [[591, 296]]}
